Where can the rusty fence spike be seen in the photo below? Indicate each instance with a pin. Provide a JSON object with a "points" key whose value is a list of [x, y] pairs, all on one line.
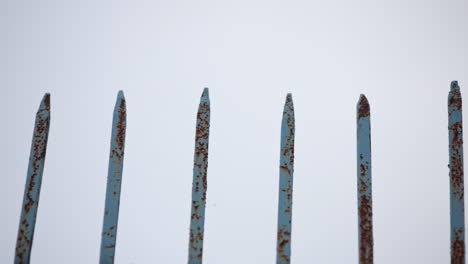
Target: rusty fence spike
{"points": [[33, 183], [114, 180], [285, 193], [457, 207], [364, 179], [199, 184]]}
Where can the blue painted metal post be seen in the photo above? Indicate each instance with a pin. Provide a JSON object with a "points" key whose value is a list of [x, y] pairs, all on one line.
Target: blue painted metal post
{"points": [[457, 206], [199, 184], [364, 178], [114, 180], [285, 196], [33, 183]]}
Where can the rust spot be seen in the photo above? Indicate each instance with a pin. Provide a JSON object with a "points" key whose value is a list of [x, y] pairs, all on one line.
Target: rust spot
{"points": [[283, 240], [366, 254], [364, 108], [285, 169], [455, 98], [458, 248], [47, 101], [118, 151], [204, 180], [456, 161]]}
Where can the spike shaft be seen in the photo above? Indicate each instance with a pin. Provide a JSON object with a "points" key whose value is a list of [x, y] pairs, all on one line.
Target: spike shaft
{"points": [[33, 183], [283, 244], [364, 179], [199, 184], [114, 180], [457, 207]]}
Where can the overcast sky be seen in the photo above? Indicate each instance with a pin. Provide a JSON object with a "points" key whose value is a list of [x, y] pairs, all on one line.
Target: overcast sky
{"points": [[402, 54]]}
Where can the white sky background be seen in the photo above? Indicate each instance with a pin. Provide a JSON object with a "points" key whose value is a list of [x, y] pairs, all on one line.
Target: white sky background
{"points": [[401, 54]]}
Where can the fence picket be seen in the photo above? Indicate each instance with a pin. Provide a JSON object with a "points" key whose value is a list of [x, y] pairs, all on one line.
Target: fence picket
{"points": [[457, 207], [114, 181], [285, 193], [199, 185], [364, 179], [33, 183]]}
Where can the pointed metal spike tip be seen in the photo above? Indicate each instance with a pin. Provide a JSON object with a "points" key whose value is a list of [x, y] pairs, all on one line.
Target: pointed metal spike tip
{"points": [[288, 104], [363, 107], [121, 95], [454, 86], [46, 100], [454, 97], [120, 104], [205, 97]]}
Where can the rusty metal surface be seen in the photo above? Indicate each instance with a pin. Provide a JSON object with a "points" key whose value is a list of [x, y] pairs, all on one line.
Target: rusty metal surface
{"points": [[114, 180], [33, 182], [364, 179], [457, 207], [285, 196], [199, 185]]}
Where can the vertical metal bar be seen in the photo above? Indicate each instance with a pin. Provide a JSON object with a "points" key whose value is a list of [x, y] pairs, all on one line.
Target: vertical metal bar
{"points": [[285, 196], [364, 178], [114, 180], [33, 183], [457, 207], [199, 184]]}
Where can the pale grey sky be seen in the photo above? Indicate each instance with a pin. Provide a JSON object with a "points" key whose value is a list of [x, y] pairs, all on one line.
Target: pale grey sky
{"points": [[402, 54]]}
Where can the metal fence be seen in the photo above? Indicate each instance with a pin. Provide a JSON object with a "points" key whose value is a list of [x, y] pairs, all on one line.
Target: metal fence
{"points": [[199, 185]]}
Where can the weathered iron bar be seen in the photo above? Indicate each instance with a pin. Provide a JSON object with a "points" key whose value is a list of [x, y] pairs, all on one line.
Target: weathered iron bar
{"points": [[364, 179], [114, 181], [285, 194], [33, 183], [457, 206], [199, 184]]}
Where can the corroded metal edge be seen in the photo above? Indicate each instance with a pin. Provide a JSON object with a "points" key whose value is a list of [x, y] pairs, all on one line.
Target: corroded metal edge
{"points": [[199, 184], [457, 207], [364, 178], [114, 180], [33, 182], [285, 193]]}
